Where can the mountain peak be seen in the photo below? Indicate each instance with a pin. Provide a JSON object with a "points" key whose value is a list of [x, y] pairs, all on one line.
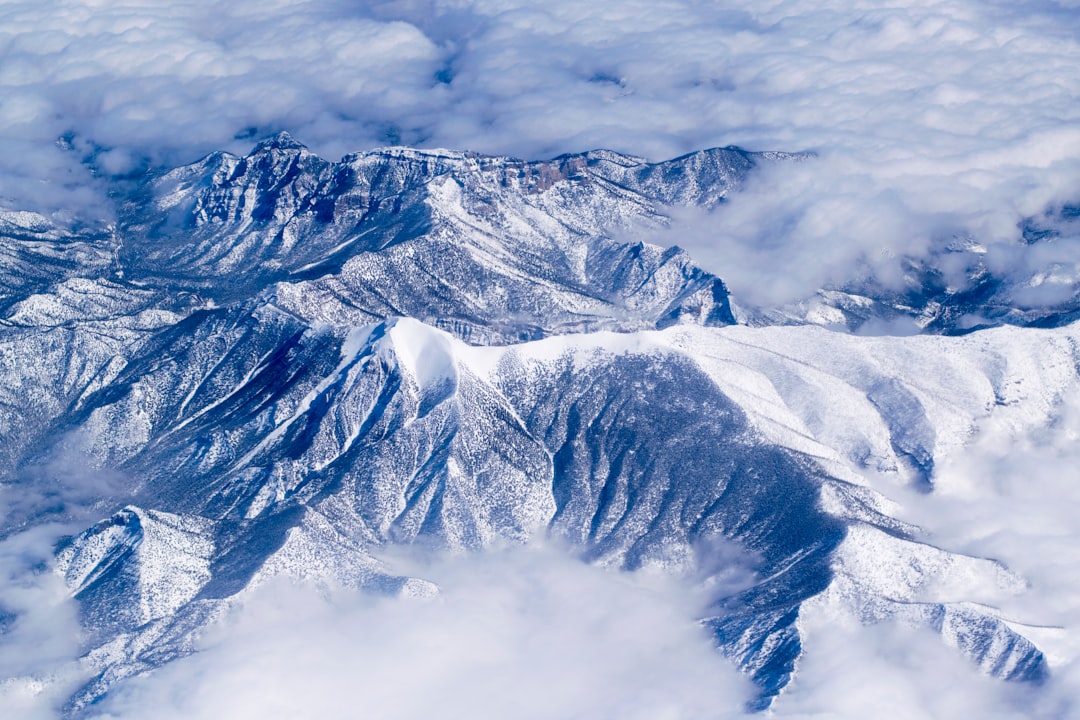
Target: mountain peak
{"points": [[426, 353], [281, 141]]}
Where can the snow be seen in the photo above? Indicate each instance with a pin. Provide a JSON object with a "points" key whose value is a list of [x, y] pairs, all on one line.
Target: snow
{"points": [[425, 353], [311, 420]]}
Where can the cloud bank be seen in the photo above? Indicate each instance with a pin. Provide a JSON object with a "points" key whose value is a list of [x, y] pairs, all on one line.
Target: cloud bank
{"points": [[534, 634], [531, 632], [39, 628], [1013, 496], [525, 633], [932, 118]]}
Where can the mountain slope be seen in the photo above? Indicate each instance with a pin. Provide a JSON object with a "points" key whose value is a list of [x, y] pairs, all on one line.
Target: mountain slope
{"points": [[281, 365], [399, 433]]}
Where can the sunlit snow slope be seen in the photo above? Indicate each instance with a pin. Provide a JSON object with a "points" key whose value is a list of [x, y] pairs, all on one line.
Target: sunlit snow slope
{"points": [[284, 364]]}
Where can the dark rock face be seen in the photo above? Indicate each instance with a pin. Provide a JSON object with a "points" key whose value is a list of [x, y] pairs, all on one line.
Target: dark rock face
{"points": [[492, 249]]}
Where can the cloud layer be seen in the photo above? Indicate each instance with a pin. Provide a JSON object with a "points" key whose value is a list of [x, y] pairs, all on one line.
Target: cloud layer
{"points": [[932, 118], [1014, 496], [39, 628], [525, 633], [534, 634]]}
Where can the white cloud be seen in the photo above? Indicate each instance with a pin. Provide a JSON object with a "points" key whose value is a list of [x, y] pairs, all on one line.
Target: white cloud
{"points": [[39, 629], [931, 118], [532, 633], [1011, 495], [40, 633], [526, 633], [850, 673], [1014, 496]]}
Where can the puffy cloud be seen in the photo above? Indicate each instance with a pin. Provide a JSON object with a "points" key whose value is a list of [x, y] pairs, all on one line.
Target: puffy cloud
{"points": [[532, 633], [124, 85], [1010, 495], [527, 633], [40, 633], [903, 673], [1014, 497], [931, 119], [39, 629]]}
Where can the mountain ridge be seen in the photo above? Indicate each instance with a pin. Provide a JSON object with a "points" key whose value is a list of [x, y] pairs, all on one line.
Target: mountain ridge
{"points": [[289, 363]]}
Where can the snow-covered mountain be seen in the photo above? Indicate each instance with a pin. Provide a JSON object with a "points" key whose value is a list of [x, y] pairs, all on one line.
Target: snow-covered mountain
{"points": [[284, 364]]}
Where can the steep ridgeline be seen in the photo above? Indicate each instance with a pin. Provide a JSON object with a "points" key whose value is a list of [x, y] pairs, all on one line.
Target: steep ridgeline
{"points": [[279, 365], [528, 248], [493, 249], [649, 449]]}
